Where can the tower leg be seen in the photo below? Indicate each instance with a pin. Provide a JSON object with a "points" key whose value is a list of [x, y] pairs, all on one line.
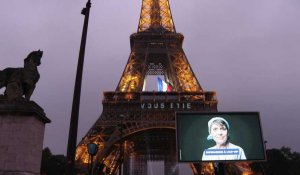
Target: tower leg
{"points": [[171, 165], [219, 168], [135, 165]]}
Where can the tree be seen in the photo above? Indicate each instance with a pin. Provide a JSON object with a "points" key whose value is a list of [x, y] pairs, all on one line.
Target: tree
{"points": [[52, 164], [279, 161]]}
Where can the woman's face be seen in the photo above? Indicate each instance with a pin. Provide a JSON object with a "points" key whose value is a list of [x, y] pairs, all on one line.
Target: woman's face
{"points": [[219, 133]]}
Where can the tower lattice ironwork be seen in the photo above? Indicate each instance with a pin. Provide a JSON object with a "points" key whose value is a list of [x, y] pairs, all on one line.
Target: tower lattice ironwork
{"points": [[136, 126]]}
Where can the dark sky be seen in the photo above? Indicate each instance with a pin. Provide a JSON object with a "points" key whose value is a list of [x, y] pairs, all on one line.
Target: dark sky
{"points": [[246, 51]]}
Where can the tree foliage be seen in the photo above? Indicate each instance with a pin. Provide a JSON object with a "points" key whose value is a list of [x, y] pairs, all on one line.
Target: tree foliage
{"points": [[279, 161], [52, 164]]}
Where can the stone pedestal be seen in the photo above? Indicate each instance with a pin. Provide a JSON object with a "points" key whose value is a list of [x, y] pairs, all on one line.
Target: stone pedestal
{"points": [[22, 126]]}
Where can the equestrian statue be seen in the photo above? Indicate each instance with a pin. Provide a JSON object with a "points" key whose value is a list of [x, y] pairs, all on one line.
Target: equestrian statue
{"points": [[21, 81]]}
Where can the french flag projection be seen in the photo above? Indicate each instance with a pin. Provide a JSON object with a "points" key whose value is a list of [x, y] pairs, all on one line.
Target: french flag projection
{"points": [[163, 86]]}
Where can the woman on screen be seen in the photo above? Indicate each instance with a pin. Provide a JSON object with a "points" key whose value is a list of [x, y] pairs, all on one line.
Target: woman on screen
{"points": [[218, 129]]}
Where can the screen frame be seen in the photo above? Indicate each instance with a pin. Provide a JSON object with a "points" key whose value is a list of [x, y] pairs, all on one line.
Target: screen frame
{"points": [[261, 140]]}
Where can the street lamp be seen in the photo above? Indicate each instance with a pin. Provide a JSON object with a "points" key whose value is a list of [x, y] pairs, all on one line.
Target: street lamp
{"points": [[92, 150], [121, 143], [76, 97]]}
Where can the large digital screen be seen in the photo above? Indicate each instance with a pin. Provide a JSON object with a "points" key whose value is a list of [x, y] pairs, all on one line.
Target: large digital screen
{"points": [[219, 136]]}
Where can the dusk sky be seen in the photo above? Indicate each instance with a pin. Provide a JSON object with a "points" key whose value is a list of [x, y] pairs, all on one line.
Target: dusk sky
{"points": [[246, 51]]}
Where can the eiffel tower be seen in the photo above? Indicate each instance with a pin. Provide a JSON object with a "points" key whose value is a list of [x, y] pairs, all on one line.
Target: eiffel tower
{"points": [[137, 127]]}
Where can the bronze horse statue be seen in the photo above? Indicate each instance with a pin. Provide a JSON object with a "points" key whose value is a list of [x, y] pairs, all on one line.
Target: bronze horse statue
{"points": [[21, 81]]}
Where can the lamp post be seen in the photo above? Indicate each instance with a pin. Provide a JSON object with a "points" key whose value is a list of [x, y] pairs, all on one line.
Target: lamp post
{"points": [[121, 144], [76, 97], [92, 150]]}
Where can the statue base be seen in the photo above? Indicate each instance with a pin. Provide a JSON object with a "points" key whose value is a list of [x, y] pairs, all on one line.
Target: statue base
{"points": [[22, 126]]}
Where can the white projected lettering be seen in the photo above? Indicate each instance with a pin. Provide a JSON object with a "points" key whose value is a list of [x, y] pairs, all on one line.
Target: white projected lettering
{"points": [[164, 105]]}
